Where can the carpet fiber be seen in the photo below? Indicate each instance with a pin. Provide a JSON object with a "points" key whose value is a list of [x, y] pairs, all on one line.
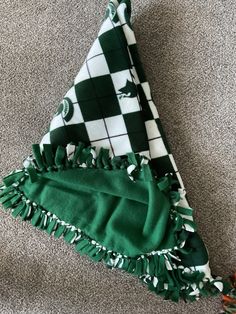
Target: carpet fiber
{"points": [[188, 51]]}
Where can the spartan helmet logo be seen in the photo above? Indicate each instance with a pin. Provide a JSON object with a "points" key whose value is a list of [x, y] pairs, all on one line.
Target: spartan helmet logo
{"points": [[129, 90], [111, 11], [66, 109]]}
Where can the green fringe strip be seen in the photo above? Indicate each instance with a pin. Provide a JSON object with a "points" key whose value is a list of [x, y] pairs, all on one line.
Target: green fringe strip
{"points": [[82, 156], [160, 270]]}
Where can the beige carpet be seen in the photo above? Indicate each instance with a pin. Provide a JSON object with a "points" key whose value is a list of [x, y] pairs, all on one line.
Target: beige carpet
{"points": [[188, 51]]}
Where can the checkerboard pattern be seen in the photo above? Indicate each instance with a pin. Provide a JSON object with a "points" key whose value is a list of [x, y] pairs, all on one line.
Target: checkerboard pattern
{"points": [[109, 103]]}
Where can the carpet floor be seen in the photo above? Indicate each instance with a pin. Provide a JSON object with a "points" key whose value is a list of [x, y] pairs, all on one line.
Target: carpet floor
{"points": [[188, 51]]}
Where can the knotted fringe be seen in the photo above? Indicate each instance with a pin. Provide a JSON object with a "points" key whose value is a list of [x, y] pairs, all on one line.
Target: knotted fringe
{"points": [[160, 270], [80, 156]]}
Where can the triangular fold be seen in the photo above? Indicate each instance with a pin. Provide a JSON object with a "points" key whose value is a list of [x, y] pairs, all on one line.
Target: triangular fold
{"points": [[104, 178]]}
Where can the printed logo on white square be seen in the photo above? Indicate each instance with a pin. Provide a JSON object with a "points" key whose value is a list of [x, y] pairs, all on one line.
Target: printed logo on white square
{"points": [[98, 66], [120, 79], [157, 148], [116, 125], [127, 104], [96, 130], [71, 94], [77, 116]]}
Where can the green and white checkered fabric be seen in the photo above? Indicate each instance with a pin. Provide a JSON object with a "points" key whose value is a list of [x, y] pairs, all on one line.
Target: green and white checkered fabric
{"points": [[110, 103], [110, 108]]}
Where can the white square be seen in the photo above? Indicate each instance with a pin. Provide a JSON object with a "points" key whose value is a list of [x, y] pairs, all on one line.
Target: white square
{"points": [[95, 50], [106, 26], [121, 145], [152, 129], [56, 122], [173, 162], [82, 75], [128, 105], [71, 94], [157, 148], [77, 116], [116, 125], [146, 89], [98, 66], [96, 130], [153, 109], [129, 34], [104, 144]]}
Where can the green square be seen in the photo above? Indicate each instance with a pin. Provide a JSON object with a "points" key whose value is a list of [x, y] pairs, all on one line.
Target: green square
{"points": [[84, 90], [147, 113], [90, 109], [70, 133], [113, 39], [103, 86], [118, 60], [137, 62], [136, 131], [138, 141], [161, 130], [134, 122], [96, 109], [110, 106]]}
